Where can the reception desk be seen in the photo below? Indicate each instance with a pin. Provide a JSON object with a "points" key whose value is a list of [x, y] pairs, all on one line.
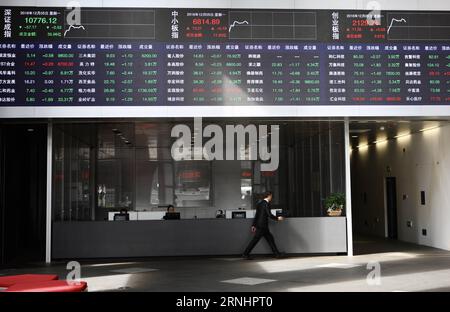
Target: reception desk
{"points": [[159, 215], [103, 239]]}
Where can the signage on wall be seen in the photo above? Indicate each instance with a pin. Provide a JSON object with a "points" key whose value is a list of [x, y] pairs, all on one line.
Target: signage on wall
{"points": [[220, 57]]}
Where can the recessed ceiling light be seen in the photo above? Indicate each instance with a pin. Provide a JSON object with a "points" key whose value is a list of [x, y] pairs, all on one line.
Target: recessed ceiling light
{"points": [[430, 128], [30, 129], [382, 128], [402, 135], [359, 130]]}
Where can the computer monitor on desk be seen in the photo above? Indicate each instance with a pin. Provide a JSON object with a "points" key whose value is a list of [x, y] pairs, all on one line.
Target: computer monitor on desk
{"points": [[121, 217], [238, 215], [172, 216]]}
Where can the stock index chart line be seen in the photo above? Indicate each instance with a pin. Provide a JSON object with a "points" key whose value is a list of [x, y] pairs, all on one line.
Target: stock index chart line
{"points": [[272, 25], [110, 23], [418, 26], [237, 23], [393, 20]]}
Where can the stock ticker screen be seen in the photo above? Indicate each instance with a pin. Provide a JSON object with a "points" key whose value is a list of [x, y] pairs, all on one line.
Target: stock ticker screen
{"points": [[216, 57]]}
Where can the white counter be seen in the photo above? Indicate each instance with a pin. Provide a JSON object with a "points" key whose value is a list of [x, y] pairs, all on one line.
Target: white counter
{"points": [[140, 215], [101, 239]]}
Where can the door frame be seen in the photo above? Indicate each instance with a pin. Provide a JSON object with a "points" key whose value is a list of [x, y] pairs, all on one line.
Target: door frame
{"points": [[386, 212], [48, 214]]}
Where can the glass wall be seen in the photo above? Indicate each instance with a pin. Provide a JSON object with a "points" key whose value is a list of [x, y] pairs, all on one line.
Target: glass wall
{"points": [[101, 167], [73, 196]]}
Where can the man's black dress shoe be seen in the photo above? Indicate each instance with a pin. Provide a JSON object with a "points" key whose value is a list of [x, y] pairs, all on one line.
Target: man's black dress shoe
{"points": [[246, 257], [280, 255]]}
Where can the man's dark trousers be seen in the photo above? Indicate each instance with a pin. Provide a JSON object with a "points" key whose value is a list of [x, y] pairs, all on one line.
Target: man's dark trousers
{"points": [[262, 232]]}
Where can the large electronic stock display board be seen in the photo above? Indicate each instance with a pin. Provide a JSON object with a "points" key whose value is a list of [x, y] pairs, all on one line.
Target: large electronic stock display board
{"points": [[220, 57]]}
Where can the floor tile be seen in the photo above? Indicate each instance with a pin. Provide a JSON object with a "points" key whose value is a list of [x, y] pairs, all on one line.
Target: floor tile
{"points": [[338, 265], [134, 270], [251, 281]]}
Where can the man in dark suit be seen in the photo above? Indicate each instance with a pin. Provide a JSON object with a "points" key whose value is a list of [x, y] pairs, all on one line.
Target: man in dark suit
{"points": [[260, 226]]}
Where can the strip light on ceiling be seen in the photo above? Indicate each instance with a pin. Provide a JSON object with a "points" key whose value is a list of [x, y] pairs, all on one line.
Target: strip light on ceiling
{"points": [[402, 135], [396, 137], [428, 129]]}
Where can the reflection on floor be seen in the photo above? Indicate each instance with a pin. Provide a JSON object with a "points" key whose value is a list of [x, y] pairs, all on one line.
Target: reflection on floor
{"points": [[249, 281], [402, 267]]}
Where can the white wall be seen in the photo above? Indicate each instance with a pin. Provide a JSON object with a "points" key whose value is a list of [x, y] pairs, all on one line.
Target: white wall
{"points": [[423, 166]]}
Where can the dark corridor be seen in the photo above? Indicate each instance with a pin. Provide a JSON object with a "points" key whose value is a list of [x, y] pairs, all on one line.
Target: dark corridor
{"points": [[23, 193]]}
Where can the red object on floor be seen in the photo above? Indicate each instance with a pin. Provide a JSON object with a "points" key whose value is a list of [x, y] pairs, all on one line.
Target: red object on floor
{"points": [[48, 286], [7, 281]]}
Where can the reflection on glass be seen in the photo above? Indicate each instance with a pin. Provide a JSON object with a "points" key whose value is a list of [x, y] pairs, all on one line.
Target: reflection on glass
{"points": [[154, 189], [192, 180], [101, 195], [104, 167], [115, 168], [246, 184], [72, 174]]}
